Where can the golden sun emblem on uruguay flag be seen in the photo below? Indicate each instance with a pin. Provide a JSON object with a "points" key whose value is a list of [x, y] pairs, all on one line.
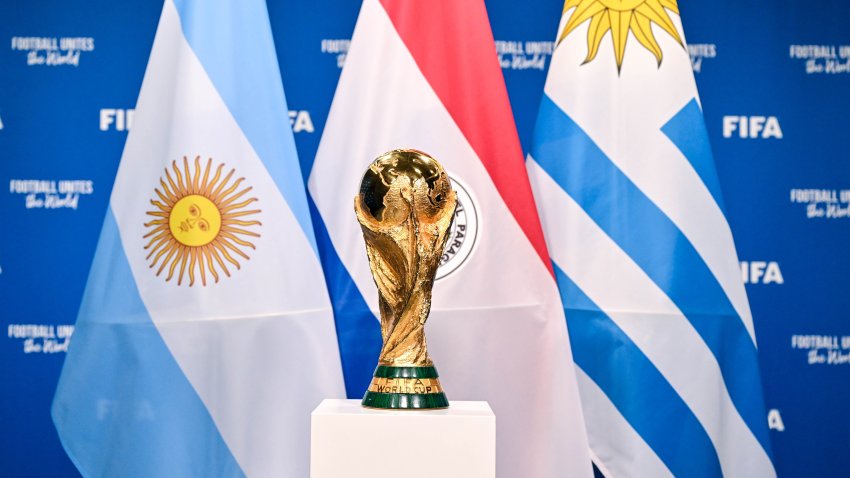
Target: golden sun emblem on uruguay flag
{"points": [[197, 222], [620, 17]]}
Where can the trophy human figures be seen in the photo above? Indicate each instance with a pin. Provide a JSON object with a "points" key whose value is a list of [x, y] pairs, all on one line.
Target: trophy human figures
{"points": [[405, 208]]}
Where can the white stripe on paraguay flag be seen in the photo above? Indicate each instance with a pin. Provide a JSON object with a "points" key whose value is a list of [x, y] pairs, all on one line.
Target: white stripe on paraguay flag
{"points": [[249, 353], [496, 329], [633, 216]]}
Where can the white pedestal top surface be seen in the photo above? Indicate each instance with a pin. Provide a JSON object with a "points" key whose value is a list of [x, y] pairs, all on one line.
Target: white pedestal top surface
{"points": [[333, 406]]}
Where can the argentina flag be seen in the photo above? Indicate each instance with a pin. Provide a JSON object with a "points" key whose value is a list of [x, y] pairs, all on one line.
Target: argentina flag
{"points": [[205, 335], [629, 198]]}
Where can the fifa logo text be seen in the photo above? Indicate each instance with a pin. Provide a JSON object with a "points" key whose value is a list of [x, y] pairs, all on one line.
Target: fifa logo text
{"points": [[300, 120], [761, 272], [752, 127], [117, 119]]}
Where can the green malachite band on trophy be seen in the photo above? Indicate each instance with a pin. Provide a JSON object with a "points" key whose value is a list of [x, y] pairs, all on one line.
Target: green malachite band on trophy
{"points": [[385, 371], [376, 398], [405, 401]]}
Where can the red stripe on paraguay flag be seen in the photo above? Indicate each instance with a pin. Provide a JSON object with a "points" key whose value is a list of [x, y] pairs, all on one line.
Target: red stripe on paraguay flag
{"points": [[469, 82]]}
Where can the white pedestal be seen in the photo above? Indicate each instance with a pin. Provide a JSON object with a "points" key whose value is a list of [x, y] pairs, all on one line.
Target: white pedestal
{"points": [[351, 441]]}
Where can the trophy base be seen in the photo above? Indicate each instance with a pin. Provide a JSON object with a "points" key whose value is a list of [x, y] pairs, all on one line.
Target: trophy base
{"points": [[405, 388]]}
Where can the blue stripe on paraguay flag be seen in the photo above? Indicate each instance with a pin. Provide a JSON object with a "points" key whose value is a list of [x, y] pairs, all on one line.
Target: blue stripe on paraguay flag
{"points": [[206, 335], [633, 217]]}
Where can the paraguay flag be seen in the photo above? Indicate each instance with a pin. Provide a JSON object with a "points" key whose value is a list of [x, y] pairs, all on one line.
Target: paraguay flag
{"points": [[425, 75], [205, 335], [634, 219]]}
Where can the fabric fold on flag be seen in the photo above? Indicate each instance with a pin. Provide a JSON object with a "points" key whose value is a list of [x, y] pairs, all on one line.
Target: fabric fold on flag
{"points": [[206, 335], [496, 331], [633, 216]]}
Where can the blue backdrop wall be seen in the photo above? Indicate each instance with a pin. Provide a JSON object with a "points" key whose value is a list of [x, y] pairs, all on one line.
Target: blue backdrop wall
{"points": [[774, 79]]}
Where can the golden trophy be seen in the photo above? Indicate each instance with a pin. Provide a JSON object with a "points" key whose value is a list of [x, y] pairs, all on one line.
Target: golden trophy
{"points": [[405, 207]]}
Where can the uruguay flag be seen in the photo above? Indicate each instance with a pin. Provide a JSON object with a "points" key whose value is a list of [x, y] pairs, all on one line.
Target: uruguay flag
{"points": [[633, 216], [425, 75], [205, 336]]}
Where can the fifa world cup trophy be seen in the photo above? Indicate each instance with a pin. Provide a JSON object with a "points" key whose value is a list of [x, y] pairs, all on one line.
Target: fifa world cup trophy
{"points": [[405, 208]]}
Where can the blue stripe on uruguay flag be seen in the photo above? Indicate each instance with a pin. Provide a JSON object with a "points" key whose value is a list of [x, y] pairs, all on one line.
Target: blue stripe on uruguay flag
{"points": [[686, 129], [598, 343], [113, 425]]}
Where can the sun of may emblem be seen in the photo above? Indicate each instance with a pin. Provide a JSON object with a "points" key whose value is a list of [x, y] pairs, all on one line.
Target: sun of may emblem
{"points": [[200, 222], [620, 17]]}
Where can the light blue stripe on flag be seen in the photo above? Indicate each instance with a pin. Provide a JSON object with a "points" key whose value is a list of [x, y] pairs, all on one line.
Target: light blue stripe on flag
{"points": [[635, 386], [234, 43], [686, 129], [141, 417], [656, 244]]}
